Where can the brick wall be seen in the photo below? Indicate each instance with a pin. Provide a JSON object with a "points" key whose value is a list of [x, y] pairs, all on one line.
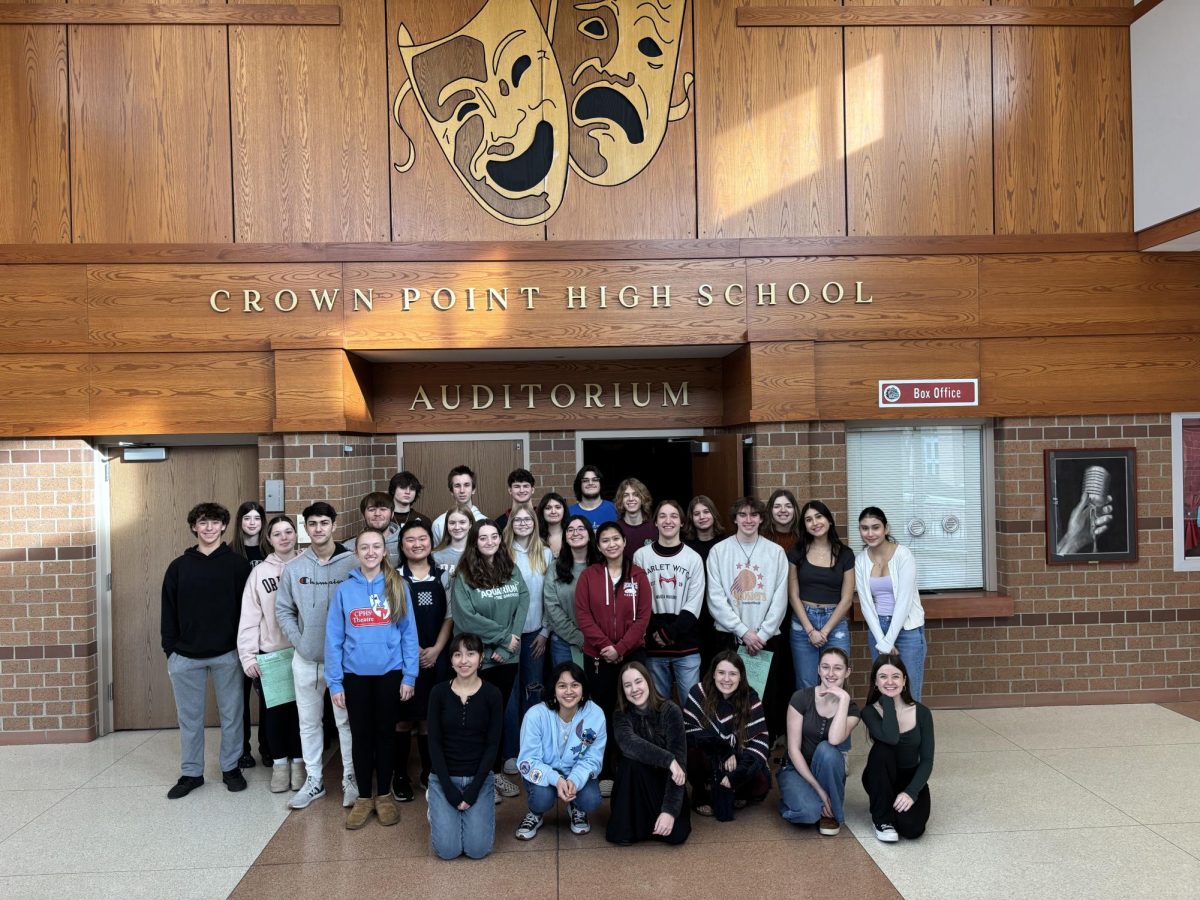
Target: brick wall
{"points": [[552, 462], [48, 659]]}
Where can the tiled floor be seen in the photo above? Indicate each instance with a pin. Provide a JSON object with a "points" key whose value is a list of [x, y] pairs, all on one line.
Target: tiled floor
{"points": [[1036, 802]]}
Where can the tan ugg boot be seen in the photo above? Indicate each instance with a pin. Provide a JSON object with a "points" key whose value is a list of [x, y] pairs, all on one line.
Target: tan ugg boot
{"points": [[386, 810], [360, 812]]}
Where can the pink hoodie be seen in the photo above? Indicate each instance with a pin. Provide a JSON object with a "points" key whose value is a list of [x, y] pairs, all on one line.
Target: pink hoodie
{"points": [[258, 632]]}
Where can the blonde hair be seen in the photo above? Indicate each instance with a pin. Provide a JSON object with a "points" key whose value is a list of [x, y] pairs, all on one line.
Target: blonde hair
{"points": [[536, 549], [394, 589], [642, 492]]}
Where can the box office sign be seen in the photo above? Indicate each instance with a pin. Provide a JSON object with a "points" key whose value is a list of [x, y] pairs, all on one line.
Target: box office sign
{"points": [[929, 392]]}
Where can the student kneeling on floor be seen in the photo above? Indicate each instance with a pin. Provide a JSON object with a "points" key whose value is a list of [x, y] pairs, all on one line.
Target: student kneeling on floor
{"points": [[562, 750]]}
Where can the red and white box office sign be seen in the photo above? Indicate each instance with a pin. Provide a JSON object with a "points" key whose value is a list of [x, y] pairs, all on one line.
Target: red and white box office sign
{"points": [[929, 392]]}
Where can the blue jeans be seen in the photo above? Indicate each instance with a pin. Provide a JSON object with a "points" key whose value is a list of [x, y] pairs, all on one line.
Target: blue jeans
{"points": [[542, 797], [454, 831], [527, 693], [683, 670], [910, 644], [806, 657], [799, 803], [560, 651]]}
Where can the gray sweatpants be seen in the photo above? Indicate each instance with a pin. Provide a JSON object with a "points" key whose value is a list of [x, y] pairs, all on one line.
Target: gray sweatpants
{"points": [[189, 679]]}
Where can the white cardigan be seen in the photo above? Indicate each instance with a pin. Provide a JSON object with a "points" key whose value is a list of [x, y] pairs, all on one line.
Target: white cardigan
{"points": [[908, 613]]}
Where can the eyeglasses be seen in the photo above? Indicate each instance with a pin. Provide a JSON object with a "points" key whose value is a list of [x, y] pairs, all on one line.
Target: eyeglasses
{"points": [[576, 529], [524, 520]]}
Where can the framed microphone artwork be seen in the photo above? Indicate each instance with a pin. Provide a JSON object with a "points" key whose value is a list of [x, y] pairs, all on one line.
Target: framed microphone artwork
{"points": [[1091, 507]]}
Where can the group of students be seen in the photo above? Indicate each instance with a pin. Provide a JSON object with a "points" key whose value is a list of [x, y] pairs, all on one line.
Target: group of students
{"points": [[446, 628]]}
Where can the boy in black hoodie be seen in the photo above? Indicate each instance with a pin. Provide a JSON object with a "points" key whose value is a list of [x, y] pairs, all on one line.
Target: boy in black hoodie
{"points": [[201, 604]]}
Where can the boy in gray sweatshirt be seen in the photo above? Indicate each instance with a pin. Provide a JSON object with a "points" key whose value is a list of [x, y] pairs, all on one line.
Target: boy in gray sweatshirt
{"points": [[302, 602]]}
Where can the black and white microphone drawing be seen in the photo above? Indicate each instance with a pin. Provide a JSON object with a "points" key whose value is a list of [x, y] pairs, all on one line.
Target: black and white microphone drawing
{"points": [[1092, 514]]}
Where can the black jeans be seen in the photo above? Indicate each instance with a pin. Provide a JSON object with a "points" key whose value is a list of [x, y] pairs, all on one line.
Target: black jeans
{"points": [[603, 685], [373, 705], [264, 739], [280, 726], [503, 677], [883, 780]]}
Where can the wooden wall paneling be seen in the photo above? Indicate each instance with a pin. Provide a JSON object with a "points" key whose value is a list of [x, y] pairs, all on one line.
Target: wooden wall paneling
{"points": [[559, 392], [848, 375], [310, 144], [153, 308], [181, 393], [310, 130], [1021, 13], [35, 202], [150, 158], [121, 12], [44, 308], [769, 127], [319, 390], [919, 131], [1063, 133], [358, 393], [660, 201], [43, 394], [429, 201], [910, 297], [770, 382], [1086, 376], [1095, 294], [551, 322]]}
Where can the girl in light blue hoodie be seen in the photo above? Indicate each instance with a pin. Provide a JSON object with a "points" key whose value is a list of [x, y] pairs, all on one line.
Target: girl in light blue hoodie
{"points": [[372, 657]]}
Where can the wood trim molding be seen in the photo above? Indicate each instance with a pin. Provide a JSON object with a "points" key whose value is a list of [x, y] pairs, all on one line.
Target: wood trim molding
{"points": [[836, 16], [1180, 226], [161, 14], [553, 251], [1142, 8]]}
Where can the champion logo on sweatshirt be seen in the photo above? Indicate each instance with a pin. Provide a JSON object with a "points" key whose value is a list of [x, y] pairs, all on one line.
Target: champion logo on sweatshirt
{"points": [[304, 579]]}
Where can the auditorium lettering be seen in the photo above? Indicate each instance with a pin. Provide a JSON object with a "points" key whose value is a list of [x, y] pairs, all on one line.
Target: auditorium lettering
{"points": [[574, 297], [589, 395]]}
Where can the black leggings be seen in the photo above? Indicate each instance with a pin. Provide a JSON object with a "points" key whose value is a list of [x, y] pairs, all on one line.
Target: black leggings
{"points": [[603, 685], [503, 677], [264, 739], [280, 725], [373, 705], [883, 781]]}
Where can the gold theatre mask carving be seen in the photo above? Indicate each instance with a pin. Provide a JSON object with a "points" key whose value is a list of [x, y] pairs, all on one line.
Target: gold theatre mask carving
{"points": [[492, 94], [618, 61]]}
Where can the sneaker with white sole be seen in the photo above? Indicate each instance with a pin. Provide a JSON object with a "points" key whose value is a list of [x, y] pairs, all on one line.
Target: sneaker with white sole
{"points": [[499, 796], [579, 820], [506, 787], [529, 826], [510, 767], [606, 786], [886, 833], [312, 790], [281, 778], [349, 791]]}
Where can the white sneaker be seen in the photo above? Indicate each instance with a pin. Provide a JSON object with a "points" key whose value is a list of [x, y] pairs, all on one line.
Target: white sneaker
{"points": [[510, 767], [529, 826], [886, 833], [579, 820], [281, 777], [312, 790], [506, 787], [349, 791], [499, 796], [606, 786]]}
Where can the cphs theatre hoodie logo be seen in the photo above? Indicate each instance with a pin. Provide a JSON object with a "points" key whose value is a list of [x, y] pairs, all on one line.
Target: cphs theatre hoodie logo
{"points": [[513, 102]]}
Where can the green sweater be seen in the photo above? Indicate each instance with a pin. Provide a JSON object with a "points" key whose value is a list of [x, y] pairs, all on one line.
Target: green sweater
{"points": [[495, 614], [914, 749]]}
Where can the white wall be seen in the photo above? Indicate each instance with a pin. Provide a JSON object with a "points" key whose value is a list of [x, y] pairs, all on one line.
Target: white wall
{"points": [[1165, 51]]}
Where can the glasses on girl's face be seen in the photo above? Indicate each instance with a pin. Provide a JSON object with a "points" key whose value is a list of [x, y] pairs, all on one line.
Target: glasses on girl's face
{"points": [[522, 521], [575, 529]]}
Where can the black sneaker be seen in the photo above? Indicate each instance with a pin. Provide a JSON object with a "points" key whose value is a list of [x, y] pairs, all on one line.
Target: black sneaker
{"points": [[402, 789], [424, 779], [234, 780], [246, 762], [184, 786]]}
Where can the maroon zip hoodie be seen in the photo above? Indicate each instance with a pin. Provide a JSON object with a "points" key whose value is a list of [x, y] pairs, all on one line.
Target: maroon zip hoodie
{"points": [[612, 617]]}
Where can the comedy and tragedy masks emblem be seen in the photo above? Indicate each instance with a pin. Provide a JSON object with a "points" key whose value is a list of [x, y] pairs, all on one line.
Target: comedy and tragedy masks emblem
{"points": [[492, 95], [618, 61]]}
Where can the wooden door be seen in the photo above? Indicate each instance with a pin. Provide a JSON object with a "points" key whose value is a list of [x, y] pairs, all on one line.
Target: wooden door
{"points": [[149, 507], [491, 460], [718, 473]]}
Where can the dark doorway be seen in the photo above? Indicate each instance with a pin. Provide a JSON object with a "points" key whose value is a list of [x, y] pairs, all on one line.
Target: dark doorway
{"points": [[664, 465]]}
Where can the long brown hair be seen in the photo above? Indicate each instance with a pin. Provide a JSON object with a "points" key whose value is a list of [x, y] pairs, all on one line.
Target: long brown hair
{"points": [[742, 699], [654, 700], [474, 567], [394, 589], [689, 530], [446, 539]]}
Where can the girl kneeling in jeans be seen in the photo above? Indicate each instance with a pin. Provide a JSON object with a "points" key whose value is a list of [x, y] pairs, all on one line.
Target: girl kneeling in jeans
{"points": [[465, 718], [562, 750]]}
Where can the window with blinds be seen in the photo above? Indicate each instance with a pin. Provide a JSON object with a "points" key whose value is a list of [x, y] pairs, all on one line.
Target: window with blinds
{"points": [[928, 480]]}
